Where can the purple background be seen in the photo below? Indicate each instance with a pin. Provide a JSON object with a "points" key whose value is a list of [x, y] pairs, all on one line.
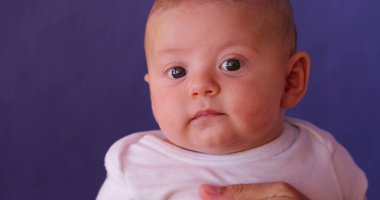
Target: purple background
{"points": [[71, 83]]}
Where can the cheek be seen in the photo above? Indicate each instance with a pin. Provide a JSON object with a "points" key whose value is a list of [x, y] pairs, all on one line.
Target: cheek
{"points": [[255, 110], [167, 109]]}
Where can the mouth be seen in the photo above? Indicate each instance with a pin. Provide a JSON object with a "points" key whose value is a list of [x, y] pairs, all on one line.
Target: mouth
{"points": [[209, 113]]}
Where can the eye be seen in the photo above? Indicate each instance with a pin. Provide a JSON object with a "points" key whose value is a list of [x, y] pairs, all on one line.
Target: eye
{"points": [[177, 72], [231, 65]]}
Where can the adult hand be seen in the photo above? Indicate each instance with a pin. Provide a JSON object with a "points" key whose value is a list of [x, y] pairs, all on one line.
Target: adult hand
{"points": [[258, 191]]}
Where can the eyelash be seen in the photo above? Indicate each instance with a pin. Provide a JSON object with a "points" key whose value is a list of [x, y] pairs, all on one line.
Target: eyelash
{"points": [[170, 68], [180, 72], [228, 66]]}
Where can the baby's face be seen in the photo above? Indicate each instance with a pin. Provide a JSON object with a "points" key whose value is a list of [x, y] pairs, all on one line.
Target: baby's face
{"points": [[215, 83]]}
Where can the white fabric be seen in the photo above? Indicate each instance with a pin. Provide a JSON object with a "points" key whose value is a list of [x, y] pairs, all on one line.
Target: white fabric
{"points": [[144, 166]]}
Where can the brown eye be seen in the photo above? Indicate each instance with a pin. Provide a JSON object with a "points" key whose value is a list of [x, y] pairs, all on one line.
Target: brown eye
{"points": [[177, 72], [231, 65]]}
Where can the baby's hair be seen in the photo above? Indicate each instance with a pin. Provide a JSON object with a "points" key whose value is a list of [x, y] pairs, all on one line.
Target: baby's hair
{"points": [[282, 9]]}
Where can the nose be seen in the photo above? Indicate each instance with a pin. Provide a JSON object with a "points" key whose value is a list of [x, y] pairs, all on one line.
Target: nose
{"points": [[204, 85]]}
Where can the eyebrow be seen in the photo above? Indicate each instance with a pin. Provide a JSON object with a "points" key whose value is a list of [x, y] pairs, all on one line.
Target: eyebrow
{"points": [[226, 45], [171, 50]]}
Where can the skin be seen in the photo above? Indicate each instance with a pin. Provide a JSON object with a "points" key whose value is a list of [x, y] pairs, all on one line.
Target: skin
{"points": [[242, 109], [259, 191], [249, 102]]}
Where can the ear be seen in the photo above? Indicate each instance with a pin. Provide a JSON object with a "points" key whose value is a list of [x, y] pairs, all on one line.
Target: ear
{"points": [[296, 81], [146, 78]]}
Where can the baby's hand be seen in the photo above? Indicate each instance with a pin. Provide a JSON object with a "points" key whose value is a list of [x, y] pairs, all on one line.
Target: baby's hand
{"points": [[259, 191]]}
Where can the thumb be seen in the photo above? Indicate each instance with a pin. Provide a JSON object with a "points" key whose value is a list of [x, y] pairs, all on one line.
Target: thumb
{"points": [[258, 191], [211, 192], [232, 192], [244, 192]]}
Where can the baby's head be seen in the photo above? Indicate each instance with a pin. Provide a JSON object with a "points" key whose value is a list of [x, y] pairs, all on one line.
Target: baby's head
{"points": [[221, 72]]}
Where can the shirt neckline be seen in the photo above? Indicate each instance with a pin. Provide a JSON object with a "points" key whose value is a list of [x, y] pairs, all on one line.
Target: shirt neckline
{"points": [[284, 141]]}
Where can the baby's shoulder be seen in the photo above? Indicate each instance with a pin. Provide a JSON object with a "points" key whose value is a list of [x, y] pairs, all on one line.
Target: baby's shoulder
{"points": [[350, 178], [123, 143], [314, 134], [116, 154]]}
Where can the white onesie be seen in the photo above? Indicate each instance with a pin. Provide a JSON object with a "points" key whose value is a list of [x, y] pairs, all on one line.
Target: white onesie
{"points": [[143, 166]]}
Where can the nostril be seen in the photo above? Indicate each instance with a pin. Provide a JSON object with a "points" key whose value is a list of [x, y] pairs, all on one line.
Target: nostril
{"points": [[208, 92], [198, 90]]}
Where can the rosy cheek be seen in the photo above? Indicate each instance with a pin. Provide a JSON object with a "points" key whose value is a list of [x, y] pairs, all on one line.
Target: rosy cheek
{"points": [[167, 112], [255, 113]]}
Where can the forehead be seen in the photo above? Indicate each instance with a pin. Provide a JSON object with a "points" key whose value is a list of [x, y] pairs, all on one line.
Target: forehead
{"points": [[195, 7], [160, 5], [226, 15]]}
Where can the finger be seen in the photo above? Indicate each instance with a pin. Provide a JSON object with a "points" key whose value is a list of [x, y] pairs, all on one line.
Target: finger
{"points": [[247, 191], [210, 192], [277, 190], [233, 192]]}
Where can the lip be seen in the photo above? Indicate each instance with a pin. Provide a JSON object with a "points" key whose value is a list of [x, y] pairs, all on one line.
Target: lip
{"points": [[206, 114]]}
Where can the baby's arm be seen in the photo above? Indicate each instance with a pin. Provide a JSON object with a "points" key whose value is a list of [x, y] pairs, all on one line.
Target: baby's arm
{"points": [[114, 190], [116, 186], [352, 181]]}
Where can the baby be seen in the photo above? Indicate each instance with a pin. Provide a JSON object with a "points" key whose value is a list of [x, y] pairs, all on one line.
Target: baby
{"points": [[221, 73]]}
